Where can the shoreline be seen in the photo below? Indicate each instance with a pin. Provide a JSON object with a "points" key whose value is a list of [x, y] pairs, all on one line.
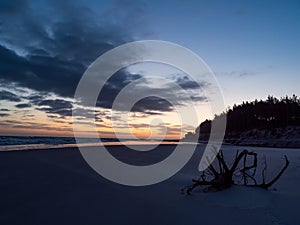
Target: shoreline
{"points": [[122, 145], [15, 148]]}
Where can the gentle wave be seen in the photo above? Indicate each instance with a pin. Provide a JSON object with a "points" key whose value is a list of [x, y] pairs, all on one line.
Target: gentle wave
{"points": [[38, 143]]}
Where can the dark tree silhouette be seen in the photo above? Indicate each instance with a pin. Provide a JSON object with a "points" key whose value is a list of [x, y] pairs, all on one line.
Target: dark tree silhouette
{"points": [[268, 114]]}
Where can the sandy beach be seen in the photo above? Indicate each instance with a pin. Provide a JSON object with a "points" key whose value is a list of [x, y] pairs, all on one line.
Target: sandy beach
{"points": [[107, 107], [58, 187]]}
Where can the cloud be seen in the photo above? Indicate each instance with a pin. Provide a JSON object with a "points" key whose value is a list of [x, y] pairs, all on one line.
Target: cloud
{"points": [[23, 105], [159, 93], [12, 7], [113, 86], [36, 98], [39, 126], [84, 113], [60, 107], [152, 103], [40, 73], [4, 114], [56, 104], [199, 98], [186, 83], [8, 96], [59, 46], [237, 73], [28, 116], [175, 129]]}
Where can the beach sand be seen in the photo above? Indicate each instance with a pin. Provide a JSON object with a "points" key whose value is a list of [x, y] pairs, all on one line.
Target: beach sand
{"points": [[56, 186]]}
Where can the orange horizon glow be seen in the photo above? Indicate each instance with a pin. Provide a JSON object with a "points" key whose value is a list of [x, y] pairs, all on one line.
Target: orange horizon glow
{"points": [[144, 133], [141, 127]]}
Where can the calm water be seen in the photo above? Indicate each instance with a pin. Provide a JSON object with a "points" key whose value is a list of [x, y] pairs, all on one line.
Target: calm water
{"points": [[10, 143]]}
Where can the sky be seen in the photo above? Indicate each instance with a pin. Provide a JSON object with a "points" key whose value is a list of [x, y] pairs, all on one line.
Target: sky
{"points": [[252, 47]]}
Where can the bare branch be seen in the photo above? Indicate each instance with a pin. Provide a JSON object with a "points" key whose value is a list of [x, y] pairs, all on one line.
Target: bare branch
{"points": [[266, 186], [237, 160], [224, 178], [220, 158]]}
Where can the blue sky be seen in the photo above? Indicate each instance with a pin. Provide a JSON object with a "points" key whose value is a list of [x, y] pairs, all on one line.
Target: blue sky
{"points": [[252, 47]]}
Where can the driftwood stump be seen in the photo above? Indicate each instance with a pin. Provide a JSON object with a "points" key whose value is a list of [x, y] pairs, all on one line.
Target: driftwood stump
{"points": [[219, 179]]}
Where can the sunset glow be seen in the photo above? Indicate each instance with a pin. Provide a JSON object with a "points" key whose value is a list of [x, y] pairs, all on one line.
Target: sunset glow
{"points": [[39, 76]]}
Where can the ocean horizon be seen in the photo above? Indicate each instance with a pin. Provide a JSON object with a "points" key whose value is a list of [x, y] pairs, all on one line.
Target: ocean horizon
{"points": [[13, 143]]}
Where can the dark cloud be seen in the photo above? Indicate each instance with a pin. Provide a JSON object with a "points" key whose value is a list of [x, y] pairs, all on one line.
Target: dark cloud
{"points": [[99, 119], [62, 39], [9, 121], [35, 98], [87, 113], [12, 7], [56, 104], [152, 113], [82, 113], [41, 73], [4, 110], [23, 105], [150, 104], [61, 112], [138, 115], [113, 86], [57, 107], [199, 98], [186, 83], [4, 114], [53, 116], [6, 95]]}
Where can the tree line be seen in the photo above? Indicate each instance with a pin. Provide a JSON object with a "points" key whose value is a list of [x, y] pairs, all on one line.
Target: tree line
{"points": [[259, 114]]}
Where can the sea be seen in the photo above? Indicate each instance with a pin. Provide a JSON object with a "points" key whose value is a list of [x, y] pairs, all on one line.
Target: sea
{"points": [[14, 143]]}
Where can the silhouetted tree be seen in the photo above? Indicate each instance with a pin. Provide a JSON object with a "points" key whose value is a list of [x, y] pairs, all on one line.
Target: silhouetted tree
{"points": [[268, 114]]}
